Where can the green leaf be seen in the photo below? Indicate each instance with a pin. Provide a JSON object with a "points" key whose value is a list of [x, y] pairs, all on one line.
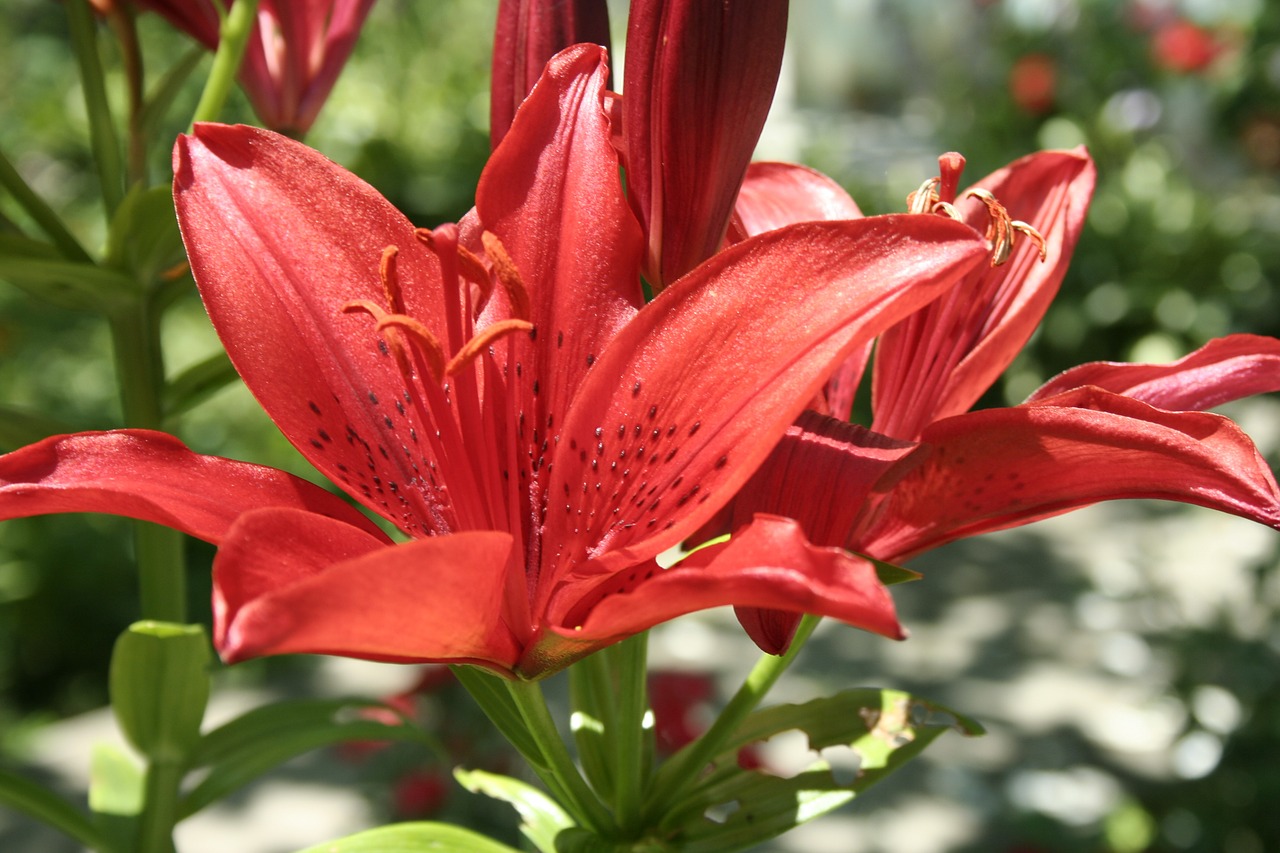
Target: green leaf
{"points": [[883, 728], [889, 574], [198, 382], [18, 427], [37, 268], [48, 808], [413, 838], [143, 239], [496, 702], [159, 687], [162, 95], [541, 818], [117, 781], [266, 737]]}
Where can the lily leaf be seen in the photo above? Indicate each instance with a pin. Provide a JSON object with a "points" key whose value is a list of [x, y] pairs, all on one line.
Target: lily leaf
{"points": [[733, 808], [413, 838], [541, 818], [143, 239], [44, 805], [266, 737], [198, 382], [39, 269]]}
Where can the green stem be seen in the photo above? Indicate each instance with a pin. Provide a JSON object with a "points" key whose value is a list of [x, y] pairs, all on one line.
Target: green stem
{"points": [[140, 373], [629, 665], [683, 769], [155, 827], [102, 131], [556, 767], [41, 213], [232, 39]]}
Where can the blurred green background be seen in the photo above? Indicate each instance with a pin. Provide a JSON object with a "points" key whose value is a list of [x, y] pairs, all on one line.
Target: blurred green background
{"points": [[1179, 103]]}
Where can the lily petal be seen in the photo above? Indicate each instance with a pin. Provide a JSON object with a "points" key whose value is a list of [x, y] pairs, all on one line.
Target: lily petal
{"points": [[692, 395], [778, 194], [526, 34], [290, 582], [999, 468], [698, 84], [565, 224], [1222, 370], [939, 361], [154, 477], [767, 564], [276, 258]]}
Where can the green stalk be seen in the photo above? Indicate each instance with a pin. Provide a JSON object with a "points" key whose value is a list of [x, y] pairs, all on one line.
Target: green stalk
{"points": [[685, 766], [43, 215], [556, 767], [155, 826], [629, 664], [232, 39], [140, 373], [102, 131]]}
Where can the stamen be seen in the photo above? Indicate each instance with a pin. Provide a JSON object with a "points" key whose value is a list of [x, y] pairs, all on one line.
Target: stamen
{"points": [[1001, 228], [508, 275], [481, 342], [473, 270], [924, 198], [427, 343], [390, 280]]}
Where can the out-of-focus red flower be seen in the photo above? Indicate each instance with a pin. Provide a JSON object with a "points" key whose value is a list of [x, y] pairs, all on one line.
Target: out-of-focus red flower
{"points": [[679, 701], [1184, 47], [1033, 82], [420, 793], [295, 52]]}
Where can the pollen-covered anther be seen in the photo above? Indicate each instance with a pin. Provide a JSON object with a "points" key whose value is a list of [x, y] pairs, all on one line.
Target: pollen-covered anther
{"points": [[390, 279], [508, 276], [1001, 228], [925, 197], [411, 332], [482, 341]]}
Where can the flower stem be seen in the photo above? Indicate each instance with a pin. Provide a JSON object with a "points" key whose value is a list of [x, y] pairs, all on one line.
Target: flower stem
{"points": [[232, 39], [155, 828], [140, 372], [121, 20], [554, 765], [629, 665], [685, 766], [102, 131]]}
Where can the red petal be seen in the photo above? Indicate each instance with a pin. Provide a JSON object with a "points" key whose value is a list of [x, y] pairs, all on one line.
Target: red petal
{"points": [[1222, 370], [698, 84], [552, 195], [526, 34], [768, 564], [279, 239], [691, 396], [1001, 468], [288, 582], [154, 477], [941, 360], [778, 194]]}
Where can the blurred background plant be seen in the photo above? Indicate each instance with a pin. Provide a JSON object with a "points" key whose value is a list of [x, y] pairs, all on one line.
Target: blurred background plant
{"points": [[1179, 103]]}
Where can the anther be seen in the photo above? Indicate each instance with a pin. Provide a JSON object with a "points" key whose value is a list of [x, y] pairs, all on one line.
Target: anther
{"points": [[390, 281], [508, 275], [427, 343], [481, 342]]}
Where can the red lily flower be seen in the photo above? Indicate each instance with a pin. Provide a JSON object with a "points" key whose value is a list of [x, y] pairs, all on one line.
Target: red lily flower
{"points": [[930, 472], [698, 83], [526, 34], [500, 393], [293, 57]]}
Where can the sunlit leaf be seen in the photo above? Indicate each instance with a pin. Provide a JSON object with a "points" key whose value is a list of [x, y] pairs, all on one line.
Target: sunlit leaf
{"points": [[880, 730], [413, 838], [541, 818]]}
